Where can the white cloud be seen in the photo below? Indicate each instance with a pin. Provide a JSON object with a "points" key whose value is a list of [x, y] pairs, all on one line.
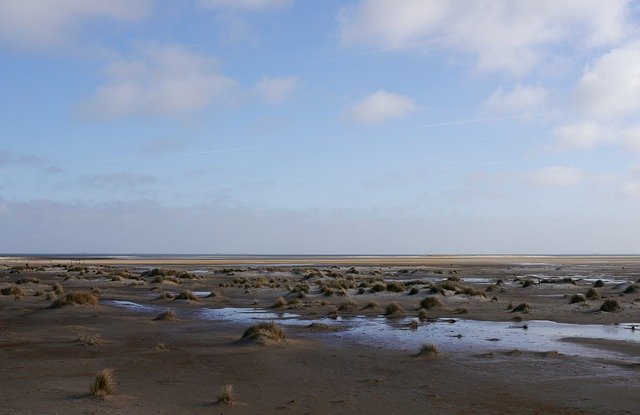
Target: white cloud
{"points": [[41, 23], [161, 80], [255, 5], [557, 176], [379, 107], [610, 87], [504, 35], [582, 134], [276, 90], [521, 99]]}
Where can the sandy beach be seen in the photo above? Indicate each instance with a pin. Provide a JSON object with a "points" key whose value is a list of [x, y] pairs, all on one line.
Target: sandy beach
{"points": [[525, 335]]}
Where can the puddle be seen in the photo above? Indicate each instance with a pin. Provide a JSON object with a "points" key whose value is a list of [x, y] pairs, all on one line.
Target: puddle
{"points": [[450, 335], [133, 306]]}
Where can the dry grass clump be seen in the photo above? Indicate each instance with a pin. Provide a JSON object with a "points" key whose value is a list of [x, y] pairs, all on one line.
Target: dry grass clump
{"points": [[393, 309], [12, 290], [268, 330], [610, 306], [414, 291], [280, 302], [427, 350], [167, 316], [378, 287], [226, 395], [165, 296], [104, 385], [57, 289], [89, 339], [371, 305], [75, 297], [592, 294], [186, 295], [395, 287], [521, 308], [166, 278], [430, 302], [598, 284], [470, 291], [577, 298], [348, 305], [449, 285]]}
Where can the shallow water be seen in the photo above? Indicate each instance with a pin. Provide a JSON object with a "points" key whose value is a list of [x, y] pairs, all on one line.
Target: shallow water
{"points": [[450, 335]]}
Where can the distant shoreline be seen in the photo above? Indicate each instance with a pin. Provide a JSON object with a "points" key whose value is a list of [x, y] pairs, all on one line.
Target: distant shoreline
{"points": [[319, 260]]}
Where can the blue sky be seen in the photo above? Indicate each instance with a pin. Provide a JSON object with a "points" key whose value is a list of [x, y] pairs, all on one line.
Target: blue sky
{"points": [[332, 127]]}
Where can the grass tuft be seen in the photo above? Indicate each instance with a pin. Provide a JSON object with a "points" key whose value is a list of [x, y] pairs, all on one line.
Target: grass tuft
{"points": [[226, 395], [577, 298], [521, 308], [430, 302], [428, 350], [167, 316], [592, 294], [186, 295], [104, 385], [393, 309], [75, 297], [269, 330], [610, 306]]}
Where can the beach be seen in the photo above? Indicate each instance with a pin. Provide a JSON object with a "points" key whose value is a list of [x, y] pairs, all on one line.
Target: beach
{"points": [[507, 334]]}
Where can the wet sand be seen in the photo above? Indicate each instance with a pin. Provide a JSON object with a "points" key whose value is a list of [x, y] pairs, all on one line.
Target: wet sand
{"points": [[491, 359]]}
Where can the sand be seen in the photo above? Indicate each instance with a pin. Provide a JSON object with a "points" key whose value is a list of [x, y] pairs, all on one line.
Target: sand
{"points": [[49, 356]]}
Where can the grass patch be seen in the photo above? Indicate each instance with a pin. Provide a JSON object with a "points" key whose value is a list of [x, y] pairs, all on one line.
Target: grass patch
{"points": [[610, 306], [227, 395], [186, 295], [428, 350], [104, 385], [269, 330], [592, 294], [598, 284], [395, 287], [167, 316], [280, 302], [577, 298], [12, 290], [521, 308], [370, 305], [414, 291], [393, 309], [430, 302], [57, 289], [378, 287], [348, 305], [75, 297]]}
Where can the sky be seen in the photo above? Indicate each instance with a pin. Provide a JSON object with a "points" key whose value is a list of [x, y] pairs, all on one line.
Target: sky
{"points": [[320, 127]]}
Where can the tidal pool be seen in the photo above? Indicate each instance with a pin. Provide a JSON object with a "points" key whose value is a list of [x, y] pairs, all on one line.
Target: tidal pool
{"points": [[450, 335]]}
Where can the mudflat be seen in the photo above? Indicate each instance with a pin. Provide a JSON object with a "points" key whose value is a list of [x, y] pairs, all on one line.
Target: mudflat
{"points": [[370, 335]]}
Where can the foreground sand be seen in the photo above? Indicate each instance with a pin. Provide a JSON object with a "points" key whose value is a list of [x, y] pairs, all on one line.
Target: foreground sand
{"points": [[49, 356]]}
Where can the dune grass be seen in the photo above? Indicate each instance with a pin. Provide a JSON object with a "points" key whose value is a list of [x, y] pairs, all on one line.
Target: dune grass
{"points": [[521, 308], [610, 306], [577, 298], [427, 350], [279, 303], [75, 297], [167, 316], [348, 305], [226, 395], [393, 309], [186, 295], [430, 302], [104, 384], [269, 330], [12, 290], [592, 294]]}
